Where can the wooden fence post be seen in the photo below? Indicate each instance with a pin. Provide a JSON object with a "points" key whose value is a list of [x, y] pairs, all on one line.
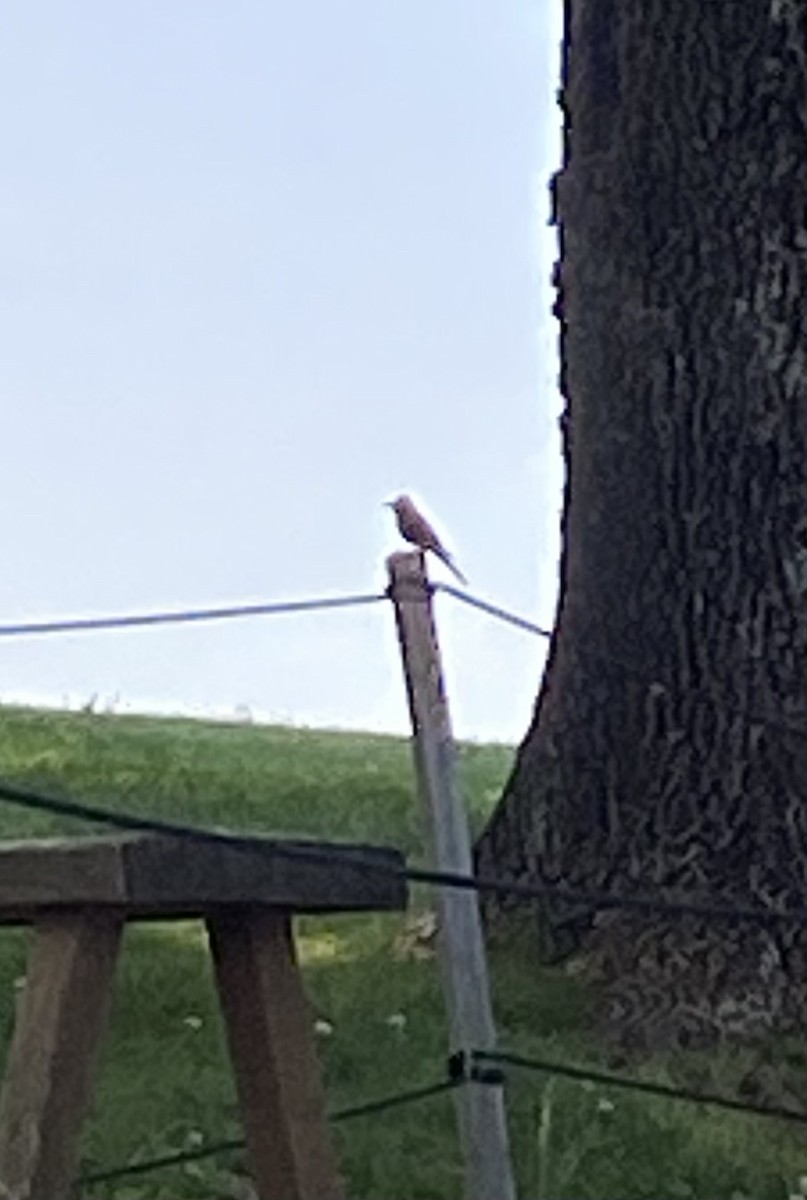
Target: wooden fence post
{"points": [[461, 950]]}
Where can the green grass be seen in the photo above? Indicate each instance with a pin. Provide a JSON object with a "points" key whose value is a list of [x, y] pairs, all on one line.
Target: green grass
{"points": [[164, 1081]]}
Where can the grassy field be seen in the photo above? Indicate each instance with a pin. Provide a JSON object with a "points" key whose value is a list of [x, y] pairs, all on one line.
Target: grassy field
{"points": [[165, 1085]]}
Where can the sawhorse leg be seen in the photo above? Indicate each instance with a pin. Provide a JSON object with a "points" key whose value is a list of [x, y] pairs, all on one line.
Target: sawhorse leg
{"points": [[271, 1038], [48, 1077]]}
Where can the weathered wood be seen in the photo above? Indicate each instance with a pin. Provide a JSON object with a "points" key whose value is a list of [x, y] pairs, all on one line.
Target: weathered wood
{"points": [[47, 872], [270, 1033], [61, 1018], [79, 893], [461, 947], [162, 876]]}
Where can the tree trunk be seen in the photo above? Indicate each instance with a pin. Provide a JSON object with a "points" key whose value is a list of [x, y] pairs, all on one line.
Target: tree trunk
{"points": [[668, 751]]}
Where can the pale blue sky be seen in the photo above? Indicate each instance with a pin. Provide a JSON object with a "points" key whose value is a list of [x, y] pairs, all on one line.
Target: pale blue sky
{"points": [[263, 266]]}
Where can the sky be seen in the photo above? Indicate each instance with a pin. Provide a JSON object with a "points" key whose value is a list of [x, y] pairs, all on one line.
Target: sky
{"points": [[262, 267]]}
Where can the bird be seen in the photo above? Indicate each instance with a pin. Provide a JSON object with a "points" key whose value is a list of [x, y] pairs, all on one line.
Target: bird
{"points": [[414, 527]]}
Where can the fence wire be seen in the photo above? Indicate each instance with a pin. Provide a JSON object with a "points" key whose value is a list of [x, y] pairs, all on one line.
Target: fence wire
{"points": [[275, 608], [644, 1086], [229, 612], [455, 1079], [79, 625], [257, 844], [493, 610], [184, 616], [541, 891], [181, 1158]]}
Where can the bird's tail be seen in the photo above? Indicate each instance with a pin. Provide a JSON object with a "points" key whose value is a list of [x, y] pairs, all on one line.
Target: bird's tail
{"points": [[449, 561]]}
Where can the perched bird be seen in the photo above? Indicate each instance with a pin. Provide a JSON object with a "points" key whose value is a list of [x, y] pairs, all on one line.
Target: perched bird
{"points": [[414, 527]]}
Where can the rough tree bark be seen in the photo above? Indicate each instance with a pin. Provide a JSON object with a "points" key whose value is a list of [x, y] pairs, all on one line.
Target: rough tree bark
{"points": [[668, 750]]}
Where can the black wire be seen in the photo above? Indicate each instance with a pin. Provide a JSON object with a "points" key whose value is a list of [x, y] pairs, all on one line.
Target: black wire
{"points": [[508, 1058], [398, 1100], [368, 1108], [584, 1074], [251, 844], [163, 1161], [14, 794], [600, 899], [183, 616]]}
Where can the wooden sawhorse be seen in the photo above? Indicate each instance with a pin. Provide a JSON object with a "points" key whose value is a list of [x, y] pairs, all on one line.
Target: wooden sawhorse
{"points": [[79, 893]]}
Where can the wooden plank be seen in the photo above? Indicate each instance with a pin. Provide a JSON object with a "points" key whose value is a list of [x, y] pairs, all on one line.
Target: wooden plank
{"points": [[461, 948], [165, 876], [171, 873], [47, 1084], [47, 872], [270, 1034]]}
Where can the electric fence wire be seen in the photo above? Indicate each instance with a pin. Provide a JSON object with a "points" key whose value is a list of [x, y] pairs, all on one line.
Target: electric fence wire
{"points": [[184, 616], [235, 1145], [645, 1086], [80, 625], [255, 845], [14, 794], [796, 727], [506, 1058], [492, 610], [96, 814]]}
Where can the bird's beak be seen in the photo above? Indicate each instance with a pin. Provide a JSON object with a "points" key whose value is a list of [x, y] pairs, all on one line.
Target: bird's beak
{"points": [[388, 504]]}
